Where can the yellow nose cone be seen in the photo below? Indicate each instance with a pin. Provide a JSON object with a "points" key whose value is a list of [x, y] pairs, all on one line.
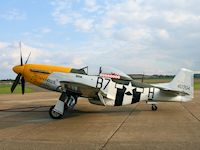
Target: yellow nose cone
{"points": [[18, 69]]}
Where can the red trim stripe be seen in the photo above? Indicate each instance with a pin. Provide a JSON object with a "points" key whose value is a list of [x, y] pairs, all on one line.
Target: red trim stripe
{"points": [[114, 76]]}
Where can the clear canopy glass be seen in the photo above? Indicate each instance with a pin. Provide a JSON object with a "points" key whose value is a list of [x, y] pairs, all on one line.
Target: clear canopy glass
{"points": [[113, 71], [106, 71]]}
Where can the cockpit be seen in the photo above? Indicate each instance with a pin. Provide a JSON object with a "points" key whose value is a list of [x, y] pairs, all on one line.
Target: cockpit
{"points": [[103, 71]]}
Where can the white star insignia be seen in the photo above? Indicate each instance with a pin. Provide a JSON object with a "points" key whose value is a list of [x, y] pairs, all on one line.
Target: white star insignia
{"points": [[129, 88]]}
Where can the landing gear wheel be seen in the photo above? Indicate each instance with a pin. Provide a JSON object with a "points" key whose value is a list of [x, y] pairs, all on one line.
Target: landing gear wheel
{"points": [[53, 114], [154, 107]]}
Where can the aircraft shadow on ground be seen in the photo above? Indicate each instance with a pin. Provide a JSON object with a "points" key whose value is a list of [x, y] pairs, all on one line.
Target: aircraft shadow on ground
{"points": [[70, 113]]}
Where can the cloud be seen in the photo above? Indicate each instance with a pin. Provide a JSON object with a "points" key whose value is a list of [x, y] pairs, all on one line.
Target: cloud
{"points": [[83, 24], [128, 11], [13, 14], [78, 61], [179, 18], [135, 32], [91, 5], [163, 34], [131, 34], [45, 30], [10, 56], [62, 11], [61, 18], [108, 23], [3, 45], [64, 14], [134, 36]]}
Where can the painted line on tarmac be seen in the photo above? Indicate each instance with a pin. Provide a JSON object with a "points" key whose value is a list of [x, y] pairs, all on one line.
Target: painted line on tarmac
{"points": [[117, 129], [190, 112]]}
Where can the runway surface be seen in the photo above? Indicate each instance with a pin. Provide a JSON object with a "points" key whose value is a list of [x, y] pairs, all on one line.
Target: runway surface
{"points": [[25, 124]]}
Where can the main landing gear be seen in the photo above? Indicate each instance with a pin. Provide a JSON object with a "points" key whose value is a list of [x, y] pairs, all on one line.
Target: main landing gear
{"points": [[154, 107], [65, 102]]}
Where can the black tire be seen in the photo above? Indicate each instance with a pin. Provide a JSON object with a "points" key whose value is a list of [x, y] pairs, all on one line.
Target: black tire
{"points": [[53, 114]]}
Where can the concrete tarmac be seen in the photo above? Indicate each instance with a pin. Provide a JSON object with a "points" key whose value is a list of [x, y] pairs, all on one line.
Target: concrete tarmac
{"points": [[25, 124]]}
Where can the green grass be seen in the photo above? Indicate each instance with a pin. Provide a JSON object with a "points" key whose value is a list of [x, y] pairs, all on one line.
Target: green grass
{"points": [[164, 80], [197, 84], [5, 89]]}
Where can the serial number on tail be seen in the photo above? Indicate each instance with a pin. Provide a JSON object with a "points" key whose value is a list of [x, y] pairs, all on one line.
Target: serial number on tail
{"points": [[184, 87]]}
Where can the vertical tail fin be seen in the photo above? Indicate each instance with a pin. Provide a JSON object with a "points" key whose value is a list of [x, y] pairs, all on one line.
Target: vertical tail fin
{"points": [[184, 82]]}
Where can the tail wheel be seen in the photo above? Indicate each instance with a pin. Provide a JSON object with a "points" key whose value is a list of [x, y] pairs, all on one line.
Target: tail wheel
{"points": [[154, 107], [53, 114]]}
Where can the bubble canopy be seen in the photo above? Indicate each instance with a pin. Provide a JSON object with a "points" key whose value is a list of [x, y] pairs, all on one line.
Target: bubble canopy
{"points": [[113, 71], [106, 71]]}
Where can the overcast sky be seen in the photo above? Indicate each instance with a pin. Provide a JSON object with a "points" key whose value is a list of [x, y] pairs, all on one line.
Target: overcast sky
{"points": [[135, 36]]}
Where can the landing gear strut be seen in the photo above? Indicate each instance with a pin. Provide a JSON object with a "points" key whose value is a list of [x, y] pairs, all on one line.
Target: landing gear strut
{"points": [[154, 107], [70, 102], [64, 103]]}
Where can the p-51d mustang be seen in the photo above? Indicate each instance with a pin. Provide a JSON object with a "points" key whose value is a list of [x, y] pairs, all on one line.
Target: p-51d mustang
{"points": [[109, 87]]}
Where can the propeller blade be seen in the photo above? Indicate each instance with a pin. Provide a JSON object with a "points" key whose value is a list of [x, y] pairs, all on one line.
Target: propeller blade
{"points": [[21, 54], [15, 82], [28, 58], [23, 85]]}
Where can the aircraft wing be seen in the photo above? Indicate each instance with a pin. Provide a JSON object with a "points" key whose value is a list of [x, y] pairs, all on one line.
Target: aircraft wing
{"points": [[79, 88]]}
